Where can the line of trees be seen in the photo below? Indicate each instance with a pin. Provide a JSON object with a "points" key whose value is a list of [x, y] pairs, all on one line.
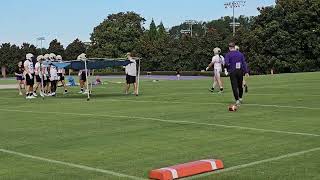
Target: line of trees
{"points": [[284, 37]]}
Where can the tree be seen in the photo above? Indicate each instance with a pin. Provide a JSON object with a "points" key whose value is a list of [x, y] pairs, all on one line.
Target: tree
{"points": [[117, 35], [153, 32], [9, 56], [56, 48], [74, 49], [162, 33]]}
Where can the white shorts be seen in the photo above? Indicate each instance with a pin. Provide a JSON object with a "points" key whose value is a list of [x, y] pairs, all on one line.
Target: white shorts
{"points": [[216, 72]]}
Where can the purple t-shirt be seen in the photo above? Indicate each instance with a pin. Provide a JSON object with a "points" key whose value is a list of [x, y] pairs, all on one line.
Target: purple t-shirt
{"points": [[235, 60]]}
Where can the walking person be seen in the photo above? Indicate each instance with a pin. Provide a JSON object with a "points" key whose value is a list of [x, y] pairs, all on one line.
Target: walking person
{"points": [[217, 63], [237, 66], [20, 77], [131, 74]]}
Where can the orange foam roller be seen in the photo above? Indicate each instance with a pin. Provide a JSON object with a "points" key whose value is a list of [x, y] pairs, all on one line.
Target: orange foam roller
{"points": [[187, 169]]}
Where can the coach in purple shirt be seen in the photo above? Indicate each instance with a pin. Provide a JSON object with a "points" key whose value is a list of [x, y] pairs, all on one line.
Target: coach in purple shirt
{"points": [[237, 67]]}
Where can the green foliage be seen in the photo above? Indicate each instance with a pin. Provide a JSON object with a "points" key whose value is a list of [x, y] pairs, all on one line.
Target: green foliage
{"points": [[56, 48], [74, 49], [116, 35]]}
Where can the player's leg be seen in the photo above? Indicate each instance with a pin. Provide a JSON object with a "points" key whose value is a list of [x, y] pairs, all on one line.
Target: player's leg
{"points": [[240, 82], [218, 79], [214, 82], [234, 85]]}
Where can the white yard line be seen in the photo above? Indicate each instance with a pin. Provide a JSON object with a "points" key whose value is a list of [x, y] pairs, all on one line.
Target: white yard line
{"points": [[255, 163], [168, 121], [87, 168]]}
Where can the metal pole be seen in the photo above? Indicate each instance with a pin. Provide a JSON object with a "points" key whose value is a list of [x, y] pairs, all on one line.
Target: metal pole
{"points": [[138, 77], [234, 20], [86, 69]]}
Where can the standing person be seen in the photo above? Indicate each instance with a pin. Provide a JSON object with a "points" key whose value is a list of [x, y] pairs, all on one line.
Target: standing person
{"points": [[53, 75], [46, 75], [237, 66], [61, 74], [131, 74], [82, 75], [244, 80], [217, 63], [19, 76], [38, 75], [29, 72]]}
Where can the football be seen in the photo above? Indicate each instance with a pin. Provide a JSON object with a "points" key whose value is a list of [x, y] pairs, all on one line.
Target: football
{"points": [[233, 108]]}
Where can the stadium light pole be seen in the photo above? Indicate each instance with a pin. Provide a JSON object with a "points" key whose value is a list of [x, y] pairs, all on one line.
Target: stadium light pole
{"points": [[190, 23], [41, 39], [233, 5]]}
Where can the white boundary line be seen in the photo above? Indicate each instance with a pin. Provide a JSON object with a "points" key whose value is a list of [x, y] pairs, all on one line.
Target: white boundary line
{"points": [[255, 163], [87, 168], [169, 121]]}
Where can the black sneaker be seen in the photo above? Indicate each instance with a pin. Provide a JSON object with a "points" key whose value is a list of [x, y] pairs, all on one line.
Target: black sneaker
{"points": [[211, 90]]}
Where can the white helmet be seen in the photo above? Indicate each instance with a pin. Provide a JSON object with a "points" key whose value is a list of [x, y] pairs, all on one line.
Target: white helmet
{"points": [[82, 56], [59, 57], [52, 56], [237, 48], [216, 50], [29, 56], [39, 58], [46, 56]]}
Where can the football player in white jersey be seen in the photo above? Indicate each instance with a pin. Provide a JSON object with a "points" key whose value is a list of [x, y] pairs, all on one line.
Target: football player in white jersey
{"points": [[29, 73], [217, 63], [61, 74], [46, 75], [38, 75], [53, 75]]}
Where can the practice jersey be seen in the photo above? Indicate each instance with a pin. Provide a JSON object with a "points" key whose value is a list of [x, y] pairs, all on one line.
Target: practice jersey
{"points": [[29, 66], [53, 73], [131, 69], [37, 69], [218, 62]]}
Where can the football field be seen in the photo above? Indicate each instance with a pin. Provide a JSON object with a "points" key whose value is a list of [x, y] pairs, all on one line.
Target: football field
{"points": [[274, 135]]}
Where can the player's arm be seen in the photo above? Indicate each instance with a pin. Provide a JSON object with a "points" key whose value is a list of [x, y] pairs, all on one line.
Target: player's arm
{"points": [[245, 66]]}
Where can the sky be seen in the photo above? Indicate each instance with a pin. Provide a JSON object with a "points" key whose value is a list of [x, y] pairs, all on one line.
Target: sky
{"points": [[65, 20]]}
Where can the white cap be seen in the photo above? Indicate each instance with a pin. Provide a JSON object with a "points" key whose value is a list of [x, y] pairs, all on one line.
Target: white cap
{"points": [[29, 56], [52, 56], [217, 50], [82, 56], [39, 58], [59, 57], [237, 48]]}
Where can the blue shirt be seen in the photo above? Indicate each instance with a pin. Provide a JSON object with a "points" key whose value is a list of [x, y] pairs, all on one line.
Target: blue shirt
{"points": [[235, 60]]}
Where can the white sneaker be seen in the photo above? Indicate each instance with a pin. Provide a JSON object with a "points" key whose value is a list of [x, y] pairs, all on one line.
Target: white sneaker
{"points": [[80, 92], [238, 103], [35, 94], [20, 93], [241, 100], [41, 94], [28, 97]]}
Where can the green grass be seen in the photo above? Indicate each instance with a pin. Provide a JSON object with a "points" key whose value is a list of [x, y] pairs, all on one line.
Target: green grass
{"points": [[133, 135]]}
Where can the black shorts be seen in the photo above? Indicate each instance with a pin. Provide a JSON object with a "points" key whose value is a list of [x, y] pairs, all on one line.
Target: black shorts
{"points": [[83, 76], [30, 80], [130, 79], [38, 79], [19, 78], [61, 77]]}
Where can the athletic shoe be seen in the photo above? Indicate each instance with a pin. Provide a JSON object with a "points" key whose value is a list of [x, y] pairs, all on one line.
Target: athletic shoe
{"points": [[41, 94], [238, 103], [28, 97], [241, 100], [80, 92], [20, 93], [211, 90], [35, 94]]}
